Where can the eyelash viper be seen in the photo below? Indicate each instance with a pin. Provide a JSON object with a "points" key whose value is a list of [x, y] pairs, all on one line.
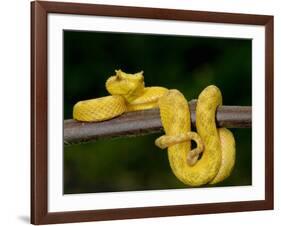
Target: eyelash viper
{"points": [[214, 157]]}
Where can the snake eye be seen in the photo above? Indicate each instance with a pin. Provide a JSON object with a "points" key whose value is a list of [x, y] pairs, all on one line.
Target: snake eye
{"points": [[139, 76]]}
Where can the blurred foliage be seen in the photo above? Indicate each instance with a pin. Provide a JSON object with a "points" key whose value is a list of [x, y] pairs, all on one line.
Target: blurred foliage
{"points": [[188, 64]]}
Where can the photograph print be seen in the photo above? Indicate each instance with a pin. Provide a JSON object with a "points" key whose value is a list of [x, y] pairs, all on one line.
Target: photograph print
{"points": [[152, 112]]}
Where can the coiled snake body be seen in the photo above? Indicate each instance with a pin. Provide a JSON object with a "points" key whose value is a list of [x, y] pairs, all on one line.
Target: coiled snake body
{"points": [[215, 146]]}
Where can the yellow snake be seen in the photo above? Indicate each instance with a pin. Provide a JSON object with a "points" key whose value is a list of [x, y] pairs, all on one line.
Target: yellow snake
{"points": [[213, 158]]}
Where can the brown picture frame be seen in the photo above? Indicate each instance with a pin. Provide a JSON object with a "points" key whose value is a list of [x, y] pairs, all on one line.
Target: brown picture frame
{"points": [[39, 109]]}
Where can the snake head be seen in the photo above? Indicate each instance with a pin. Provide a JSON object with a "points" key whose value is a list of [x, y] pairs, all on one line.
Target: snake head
{"points": [[130, 86]]}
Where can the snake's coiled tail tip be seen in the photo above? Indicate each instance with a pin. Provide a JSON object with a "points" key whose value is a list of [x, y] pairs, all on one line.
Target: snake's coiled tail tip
{"points": [[191, 161], [166, 141], [159, 143]]}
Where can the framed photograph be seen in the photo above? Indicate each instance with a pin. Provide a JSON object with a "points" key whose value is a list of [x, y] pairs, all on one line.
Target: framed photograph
{"points": [[111, 86]]}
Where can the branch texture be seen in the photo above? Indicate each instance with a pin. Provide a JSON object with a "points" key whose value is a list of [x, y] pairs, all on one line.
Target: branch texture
{"points": [[146, 122]]}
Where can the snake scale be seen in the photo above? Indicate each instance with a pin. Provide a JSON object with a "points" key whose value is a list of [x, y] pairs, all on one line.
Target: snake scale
{"points": [[214, 156]]}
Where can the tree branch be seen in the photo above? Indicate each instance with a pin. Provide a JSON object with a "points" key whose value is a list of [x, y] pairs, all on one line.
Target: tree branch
{"points": [[146, 122]]}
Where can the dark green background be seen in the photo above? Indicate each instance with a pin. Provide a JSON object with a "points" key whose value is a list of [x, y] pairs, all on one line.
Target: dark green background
{"points": [[185, 63]]}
